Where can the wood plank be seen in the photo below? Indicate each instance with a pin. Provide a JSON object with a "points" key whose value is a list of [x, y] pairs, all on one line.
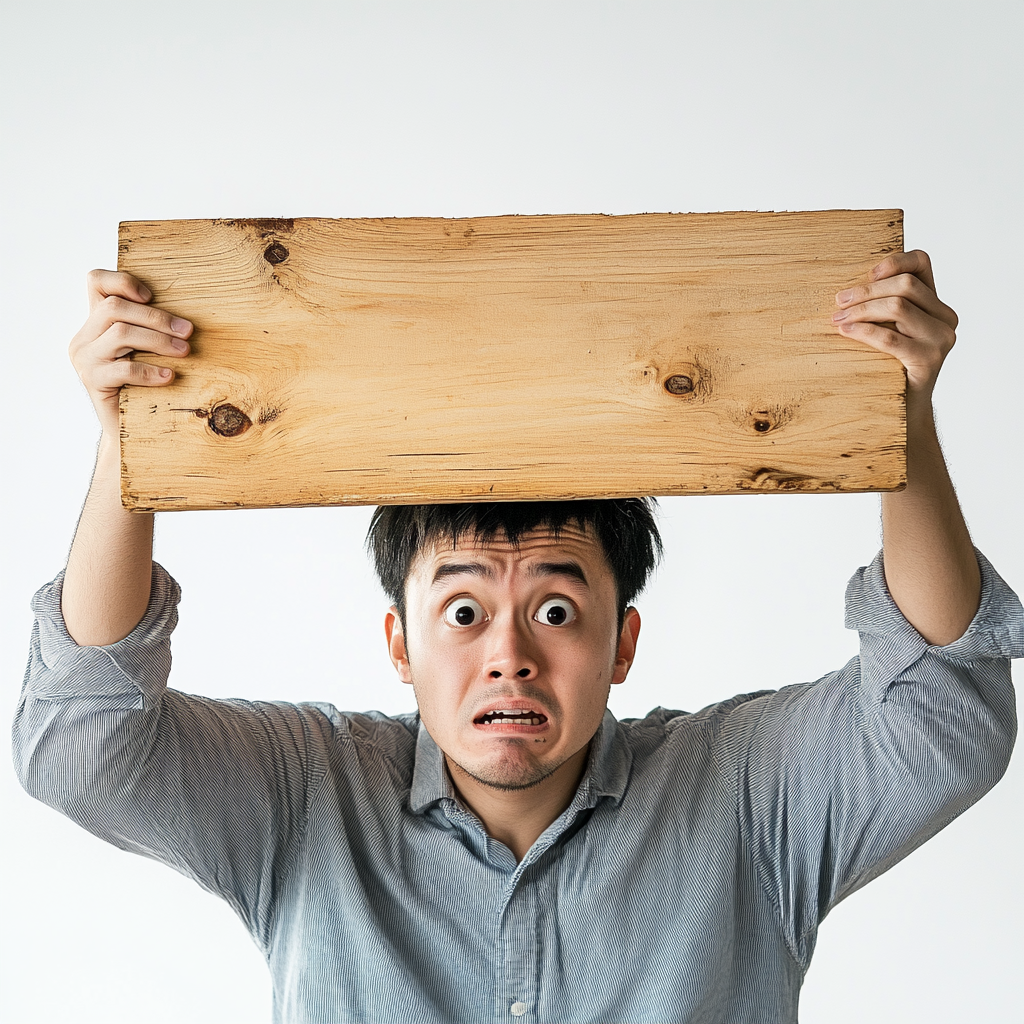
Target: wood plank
{"points": [[511, 358]]}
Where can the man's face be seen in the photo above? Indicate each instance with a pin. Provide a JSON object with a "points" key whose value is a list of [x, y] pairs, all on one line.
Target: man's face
{"points": [[512, 650]]}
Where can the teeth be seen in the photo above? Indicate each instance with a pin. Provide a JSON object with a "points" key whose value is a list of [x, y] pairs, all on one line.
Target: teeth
{"points": [[513, 716]]}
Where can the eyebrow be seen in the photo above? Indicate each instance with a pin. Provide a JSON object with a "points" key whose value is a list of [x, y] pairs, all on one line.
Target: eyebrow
{"points": [[571, 570], [442, 572]]}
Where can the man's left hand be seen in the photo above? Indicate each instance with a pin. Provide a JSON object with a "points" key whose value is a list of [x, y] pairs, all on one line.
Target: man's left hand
{"points": [[898, 312], [930, 566]]}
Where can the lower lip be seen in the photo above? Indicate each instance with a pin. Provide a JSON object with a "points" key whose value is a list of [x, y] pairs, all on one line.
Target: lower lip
{"points": [[511, 728]]}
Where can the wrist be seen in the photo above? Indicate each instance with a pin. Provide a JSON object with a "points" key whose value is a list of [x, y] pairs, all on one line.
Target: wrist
{"points": [[110, 441], [108, 456], [920, 412]]}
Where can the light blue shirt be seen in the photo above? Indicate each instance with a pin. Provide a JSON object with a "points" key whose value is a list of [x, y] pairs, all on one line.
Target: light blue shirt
{"points": [[685, 881]]}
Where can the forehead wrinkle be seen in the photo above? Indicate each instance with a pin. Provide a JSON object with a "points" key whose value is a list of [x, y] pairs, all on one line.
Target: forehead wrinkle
{"points": [[493, 557]]}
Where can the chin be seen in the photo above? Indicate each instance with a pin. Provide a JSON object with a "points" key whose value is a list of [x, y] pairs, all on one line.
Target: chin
{"points": [[510, 771]]}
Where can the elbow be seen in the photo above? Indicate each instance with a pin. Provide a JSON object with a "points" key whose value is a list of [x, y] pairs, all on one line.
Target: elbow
{"points": [[50, 760], [953, 734], [42, 771]]}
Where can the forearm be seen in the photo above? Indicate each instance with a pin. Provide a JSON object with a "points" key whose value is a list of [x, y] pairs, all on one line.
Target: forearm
{"points": [[930, 566], [107, 581]]}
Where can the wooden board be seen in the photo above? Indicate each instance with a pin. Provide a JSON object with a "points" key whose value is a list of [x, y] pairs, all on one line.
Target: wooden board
{"points": [[511, 358]]}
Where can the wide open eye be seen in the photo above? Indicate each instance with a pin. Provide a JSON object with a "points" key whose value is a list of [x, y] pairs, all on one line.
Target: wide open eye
{"points": [[556, 612], [463, 611]]}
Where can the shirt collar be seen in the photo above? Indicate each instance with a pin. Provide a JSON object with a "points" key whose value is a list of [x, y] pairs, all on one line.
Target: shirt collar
{"points": [[606, 774]]}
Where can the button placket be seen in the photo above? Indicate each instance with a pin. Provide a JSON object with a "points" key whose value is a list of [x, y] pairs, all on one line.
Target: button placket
{"points": [[517, 987]]}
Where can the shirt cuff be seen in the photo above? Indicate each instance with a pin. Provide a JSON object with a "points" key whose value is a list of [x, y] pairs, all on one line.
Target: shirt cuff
{"points": [[59, 667], [890, 644]]}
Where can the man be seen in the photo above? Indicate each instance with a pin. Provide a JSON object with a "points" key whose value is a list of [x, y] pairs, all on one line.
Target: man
{"points": [[512, 852]]}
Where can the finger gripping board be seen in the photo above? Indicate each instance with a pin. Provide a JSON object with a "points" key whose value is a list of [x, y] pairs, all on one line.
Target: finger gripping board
{"points": [[510, 358]]}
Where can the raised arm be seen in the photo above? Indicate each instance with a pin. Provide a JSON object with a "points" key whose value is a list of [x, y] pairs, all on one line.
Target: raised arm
{"points": [[930, 566], [106, 585]]}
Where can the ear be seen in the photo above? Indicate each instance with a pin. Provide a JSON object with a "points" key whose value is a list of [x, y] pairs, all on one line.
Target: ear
{"points": [[627, 645], [396, 645]]}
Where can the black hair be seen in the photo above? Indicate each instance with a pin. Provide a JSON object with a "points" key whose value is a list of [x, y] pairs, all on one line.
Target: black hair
{"points": [[625, 527]]}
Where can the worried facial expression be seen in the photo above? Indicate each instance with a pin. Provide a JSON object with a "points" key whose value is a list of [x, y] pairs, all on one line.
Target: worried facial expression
{"points": [[511, 651]]}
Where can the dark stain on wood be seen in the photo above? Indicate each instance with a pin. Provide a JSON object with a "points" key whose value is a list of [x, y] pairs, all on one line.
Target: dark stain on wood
{"points": [[679, 384], [768, 479], [268, 415], [267, 227], [275, 253], [228, 421]]}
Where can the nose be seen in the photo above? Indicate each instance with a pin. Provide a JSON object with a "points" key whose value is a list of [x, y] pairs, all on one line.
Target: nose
{"points": [[511, 654]]}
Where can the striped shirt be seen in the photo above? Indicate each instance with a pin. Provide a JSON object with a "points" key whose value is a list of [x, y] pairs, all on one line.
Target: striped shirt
{"points": [[685, 881]]}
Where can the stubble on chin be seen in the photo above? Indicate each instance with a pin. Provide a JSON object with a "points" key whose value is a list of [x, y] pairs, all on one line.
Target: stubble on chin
{"points": [[511, 772]]}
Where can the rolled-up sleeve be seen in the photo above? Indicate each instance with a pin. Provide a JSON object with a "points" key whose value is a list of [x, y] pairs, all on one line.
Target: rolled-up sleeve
{"points": [[889, 645], [841, 778], [214, 788]]}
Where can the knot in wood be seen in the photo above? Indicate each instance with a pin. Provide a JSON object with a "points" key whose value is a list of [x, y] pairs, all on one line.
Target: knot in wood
{"points": [[275, 253], [227, 421], [762, 425], [679, 384]]}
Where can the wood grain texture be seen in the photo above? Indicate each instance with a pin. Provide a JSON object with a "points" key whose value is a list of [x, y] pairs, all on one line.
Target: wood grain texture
{"points": [[511, 358]]}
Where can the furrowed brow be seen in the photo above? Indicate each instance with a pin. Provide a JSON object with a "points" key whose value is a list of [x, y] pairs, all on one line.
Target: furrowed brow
{"points": [[449, 569], [572, 570]]}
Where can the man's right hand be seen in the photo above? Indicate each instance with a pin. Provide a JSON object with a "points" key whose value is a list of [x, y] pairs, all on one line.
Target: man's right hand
{"points": [[107, 581], [120, 323]]}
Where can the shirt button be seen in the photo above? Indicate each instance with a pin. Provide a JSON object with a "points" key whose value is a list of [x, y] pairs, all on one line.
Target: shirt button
{"points": [[518, 1009]]}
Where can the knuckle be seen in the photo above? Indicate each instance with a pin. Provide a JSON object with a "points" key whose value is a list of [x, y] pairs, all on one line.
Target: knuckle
{"points": [[135, 372], [160, 320], [111, 305], [119, 331]]}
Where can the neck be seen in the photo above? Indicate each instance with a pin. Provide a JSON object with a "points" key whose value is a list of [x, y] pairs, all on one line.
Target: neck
{"points": [[517, 817]]}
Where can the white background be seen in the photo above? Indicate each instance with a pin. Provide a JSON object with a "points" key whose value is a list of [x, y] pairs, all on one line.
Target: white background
{"points": [[137, 111]]}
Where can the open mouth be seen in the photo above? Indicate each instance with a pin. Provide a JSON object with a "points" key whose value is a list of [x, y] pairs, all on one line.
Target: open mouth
{"points": [[511, 716]]}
